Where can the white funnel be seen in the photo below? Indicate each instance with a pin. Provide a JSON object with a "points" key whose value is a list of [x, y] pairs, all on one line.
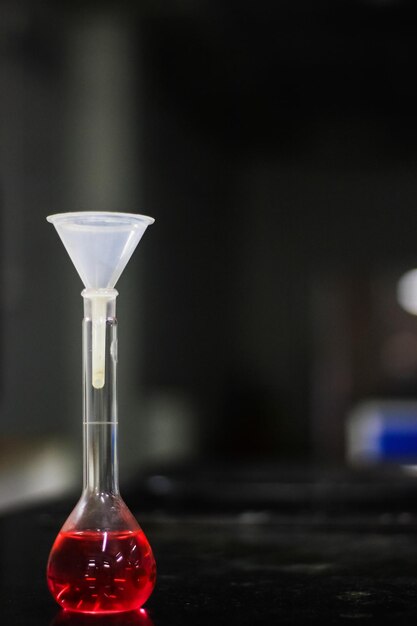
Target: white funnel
{"points": [[100, 244]]}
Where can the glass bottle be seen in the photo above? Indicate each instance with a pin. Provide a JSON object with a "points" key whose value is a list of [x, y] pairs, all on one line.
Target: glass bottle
{"points": [[101, 561]]}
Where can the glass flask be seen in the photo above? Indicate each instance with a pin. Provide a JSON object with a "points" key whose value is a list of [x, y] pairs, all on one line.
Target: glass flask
{"points": [[101, 561]]}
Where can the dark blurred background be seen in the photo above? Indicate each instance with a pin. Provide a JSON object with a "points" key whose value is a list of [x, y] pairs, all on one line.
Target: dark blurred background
{"points": [[275, 143]]}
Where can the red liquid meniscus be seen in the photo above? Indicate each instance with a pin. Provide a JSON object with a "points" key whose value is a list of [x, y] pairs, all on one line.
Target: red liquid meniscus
{"points": [[101, 572]]}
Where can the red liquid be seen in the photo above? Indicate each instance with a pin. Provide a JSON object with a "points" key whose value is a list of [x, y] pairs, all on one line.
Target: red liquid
{"points": [[101, 572]]}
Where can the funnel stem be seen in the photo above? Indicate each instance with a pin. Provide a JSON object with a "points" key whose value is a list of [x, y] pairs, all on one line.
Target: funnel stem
{"points": [[99, 341]]}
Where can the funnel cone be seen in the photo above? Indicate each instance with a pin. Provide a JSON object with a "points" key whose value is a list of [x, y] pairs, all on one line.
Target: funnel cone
{"points": [[100, 244]]}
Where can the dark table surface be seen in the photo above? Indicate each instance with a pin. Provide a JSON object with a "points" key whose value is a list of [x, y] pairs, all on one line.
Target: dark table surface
{"points": [[299, 549]]}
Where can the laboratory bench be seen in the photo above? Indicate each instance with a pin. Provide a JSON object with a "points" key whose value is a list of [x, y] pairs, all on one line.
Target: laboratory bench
{"points": [[242, 546]]}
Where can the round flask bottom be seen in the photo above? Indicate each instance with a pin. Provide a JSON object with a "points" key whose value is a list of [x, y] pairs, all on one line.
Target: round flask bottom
{"points": [[94, 571]]}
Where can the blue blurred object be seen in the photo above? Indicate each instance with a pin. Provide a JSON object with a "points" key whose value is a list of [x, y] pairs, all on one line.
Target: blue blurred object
{"points": [[399, 443], [383, 431]]}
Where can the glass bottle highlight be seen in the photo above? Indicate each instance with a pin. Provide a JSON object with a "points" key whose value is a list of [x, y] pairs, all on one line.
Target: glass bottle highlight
{"points": [[101, 561]]}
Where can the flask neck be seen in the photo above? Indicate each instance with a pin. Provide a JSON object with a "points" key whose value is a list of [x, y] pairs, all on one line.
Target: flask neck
{"points": [[99, 392]]}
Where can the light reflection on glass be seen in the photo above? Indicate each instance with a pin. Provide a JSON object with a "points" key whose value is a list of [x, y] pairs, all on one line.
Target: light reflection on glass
{"points": [[131, 618]]}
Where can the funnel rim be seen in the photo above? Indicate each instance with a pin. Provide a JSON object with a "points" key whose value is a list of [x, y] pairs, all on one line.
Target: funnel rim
{"points": [[124, 219]]}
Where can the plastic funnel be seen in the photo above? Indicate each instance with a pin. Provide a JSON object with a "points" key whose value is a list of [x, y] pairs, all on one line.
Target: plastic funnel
{"points": [[100, 244]]}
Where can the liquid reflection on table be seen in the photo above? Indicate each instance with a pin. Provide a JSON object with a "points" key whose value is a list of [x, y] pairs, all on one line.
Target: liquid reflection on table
{"points": [[131, 618]]}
